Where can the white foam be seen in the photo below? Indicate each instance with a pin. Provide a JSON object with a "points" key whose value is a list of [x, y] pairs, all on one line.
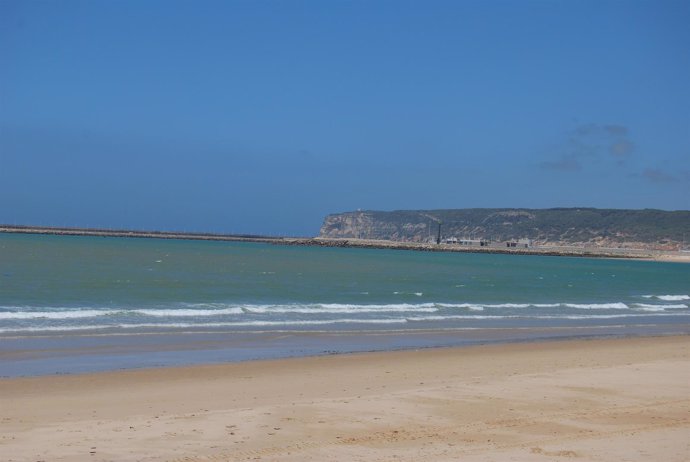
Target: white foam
{"points": [[650, 308], [598, 306], [393, 307], [92, 313], [669, 298], [54, 329], [339, 308], [247, 315], [658, 307], [673, 298], [197, 325], [593, 316], [259, 323], [217, 309], [496, 317], [608, 316], [303, 323], [187, 312], [447, 318], [480, 307], [68, 314], [206, 305], [468, 306]]}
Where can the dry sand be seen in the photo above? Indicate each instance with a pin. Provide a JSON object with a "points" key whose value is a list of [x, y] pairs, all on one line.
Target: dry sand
{"points": [[596, 400], [678, 257]]}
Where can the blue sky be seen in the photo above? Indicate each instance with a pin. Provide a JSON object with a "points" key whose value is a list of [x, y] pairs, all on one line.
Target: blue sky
{"points": [[263, 117]]}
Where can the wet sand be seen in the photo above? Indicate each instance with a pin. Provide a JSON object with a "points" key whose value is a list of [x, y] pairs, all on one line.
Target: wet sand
{"points": [[590, 400]]}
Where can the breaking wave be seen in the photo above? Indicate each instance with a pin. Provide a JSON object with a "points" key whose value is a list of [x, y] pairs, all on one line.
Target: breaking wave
{"points": [[598, 306], [17, 319], [669, 298], [66, 314]]}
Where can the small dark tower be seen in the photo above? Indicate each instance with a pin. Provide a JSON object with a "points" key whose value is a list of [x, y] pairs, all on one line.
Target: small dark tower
{"points": [[438, 237]]}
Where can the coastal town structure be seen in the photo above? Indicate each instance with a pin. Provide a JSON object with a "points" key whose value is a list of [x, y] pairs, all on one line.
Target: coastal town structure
{"points": [[517, 228]]}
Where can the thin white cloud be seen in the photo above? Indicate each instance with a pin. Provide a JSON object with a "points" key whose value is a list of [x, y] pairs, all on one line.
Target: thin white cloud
{"points": [[656, 175], [590, 144]]}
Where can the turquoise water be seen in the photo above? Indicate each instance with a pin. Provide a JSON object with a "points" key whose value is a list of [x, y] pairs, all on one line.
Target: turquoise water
{"points": [[111, 285], [77, 304]]}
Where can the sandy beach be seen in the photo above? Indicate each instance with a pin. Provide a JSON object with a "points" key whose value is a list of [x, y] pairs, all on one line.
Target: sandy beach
{"points": [[598, 400]]}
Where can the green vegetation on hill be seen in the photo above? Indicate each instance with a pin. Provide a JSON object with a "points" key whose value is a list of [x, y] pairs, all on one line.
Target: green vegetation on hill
{"points": [[545, 226]]}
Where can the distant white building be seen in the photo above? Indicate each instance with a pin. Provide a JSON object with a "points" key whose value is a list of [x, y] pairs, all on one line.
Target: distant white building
{"points": [[520, 243]]}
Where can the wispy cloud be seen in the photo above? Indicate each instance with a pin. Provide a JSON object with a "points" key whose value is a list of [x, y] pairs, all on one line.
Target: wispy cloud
{"points": [[656, 175], [616, 130], [590, 144], [622, 148]]}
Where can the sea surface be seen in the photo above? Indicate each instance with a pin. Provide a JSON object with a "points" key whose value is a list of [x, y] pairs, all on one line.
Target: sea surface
{"points": [[75, 304]]}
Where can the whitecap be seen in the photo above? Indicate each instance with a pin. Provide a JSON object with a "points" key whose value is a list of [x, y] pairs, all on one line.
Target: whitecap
{"points": [[650, 308], [598, 306], [199, 325], [187, 312], [52, 329], [673, 298], [469, 306], [669, 298], [314, 322], [661, 307], [336, 308], [551, 317], [68, 314]]}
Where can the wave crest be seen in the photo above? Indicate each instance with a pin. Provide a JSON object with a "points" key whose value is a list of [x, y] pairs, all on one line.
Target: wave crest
{"points": [[669, 298]]}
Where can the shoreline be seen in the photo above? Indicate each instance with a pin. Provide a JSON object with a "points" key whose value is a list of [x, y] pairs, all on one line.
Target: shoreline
{"points": [[581, 252], [603, 399], [86, 353]]}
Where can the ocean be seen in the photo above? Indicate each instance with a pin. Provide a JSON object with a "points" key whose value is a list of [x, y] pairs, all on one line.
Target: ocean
{"points": [[76, 304]]}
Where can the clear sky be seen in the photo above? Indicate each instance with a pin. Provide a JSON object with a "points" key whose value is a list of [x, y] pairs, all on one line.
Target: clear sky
{"points": [[264, 116]]}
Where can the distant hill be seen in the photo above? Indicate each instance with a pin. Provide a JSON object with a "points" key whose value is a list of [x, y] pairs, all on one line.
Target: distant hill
{"points": [[558, 226]]}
